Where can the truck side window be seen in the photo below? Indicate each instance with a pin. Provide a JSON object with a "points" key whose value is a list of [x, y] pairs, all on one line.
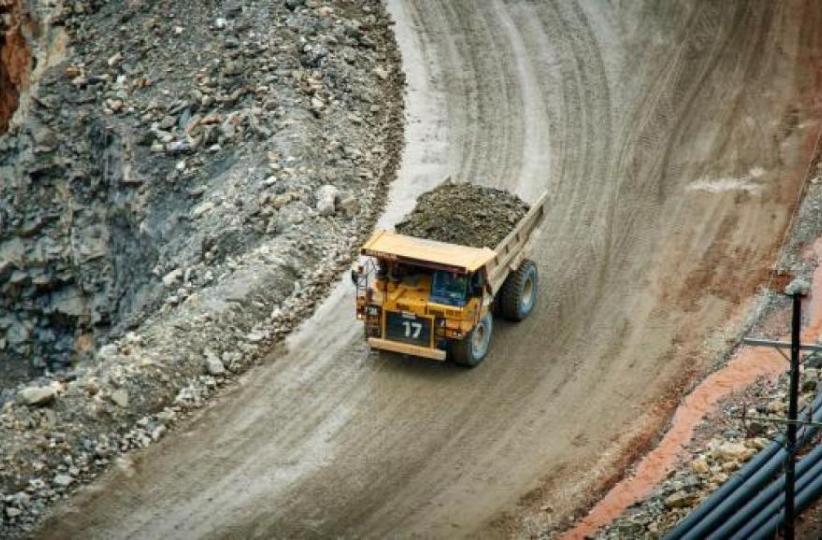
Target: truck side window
{"points": [[477, 283], [448, 288]]}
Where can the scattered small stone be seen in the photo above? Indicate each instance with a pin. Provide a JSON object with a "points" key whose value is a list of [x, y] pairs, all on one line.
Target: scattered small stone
{"points": [[381, 73], [38, 395], [63, 480], [170, 279], [350, 206], [214, 366], [700, 466], [680, 499], [120, 398], [115, 59], [757, 428], [107, 351], [255, 337], [158, 432], [327, 200], [201, 209], [12, 512]]}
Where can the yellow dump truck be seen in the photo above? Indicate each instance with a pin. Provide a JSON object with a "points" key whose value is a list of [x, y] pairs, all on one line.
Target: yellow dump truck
{"points": [[435, 299]]}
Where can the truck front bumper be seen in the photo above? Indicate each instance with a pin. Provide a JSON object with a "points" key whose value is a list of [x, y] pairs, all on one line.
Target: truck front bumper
{"points": [[405, 348]]}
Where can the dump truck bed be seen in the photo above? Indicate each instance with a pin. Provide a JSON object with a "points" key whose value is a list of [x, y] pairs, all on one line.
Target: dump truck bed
{"points": [[498, 262], [511, 251]]}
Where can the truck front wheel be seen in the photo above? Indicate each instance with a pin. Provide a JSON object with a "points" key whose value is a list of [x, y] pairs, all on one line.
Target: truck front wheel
{"points": [[518, 294], [471, 350]]}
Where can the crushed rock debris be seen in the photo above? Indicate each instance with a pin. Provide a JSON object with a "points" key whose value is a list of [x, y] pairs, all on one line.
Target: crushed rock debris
{"points": [[466, 214]]}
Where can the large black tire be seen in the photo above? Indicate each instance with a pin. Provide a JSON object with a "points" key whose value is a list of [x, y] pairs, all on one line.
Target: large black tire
{"points": [[472, 349], [518, 294]]}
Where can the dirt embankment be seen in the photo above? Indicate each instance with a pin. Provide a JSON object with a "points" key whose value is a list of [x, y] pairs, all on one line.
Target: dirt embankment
{"points": [[178, 196], [173, 139], [15, 57]]}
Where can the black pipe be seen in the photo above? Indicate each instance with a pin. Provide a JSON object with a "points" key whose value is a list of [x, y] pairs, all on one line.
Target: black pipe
{"points": [[758, 479], [809, 488], [728, 488], [731, 495], [754, 506], [755, 482]]}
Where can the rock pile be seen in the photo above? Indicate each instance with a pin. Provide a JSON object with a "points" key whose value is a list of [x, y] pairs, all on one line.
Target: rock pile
{"points": [[464, 214], [181, 193]]}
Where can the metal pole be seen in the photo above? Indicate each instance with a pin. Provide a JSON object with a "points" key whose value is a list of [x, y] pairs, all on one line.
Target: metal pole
{"points": [[793, 405]]}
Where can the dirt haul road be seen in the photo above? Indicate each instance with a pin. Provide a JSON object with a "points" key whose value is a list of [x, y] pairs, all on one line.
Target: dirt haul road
{"points": [[673, 138]]}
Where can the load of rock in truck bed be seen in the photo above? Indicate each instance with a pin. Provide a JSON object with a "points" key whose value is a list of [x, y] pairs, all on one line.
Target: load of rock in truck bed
{"points": [[464, 214]]}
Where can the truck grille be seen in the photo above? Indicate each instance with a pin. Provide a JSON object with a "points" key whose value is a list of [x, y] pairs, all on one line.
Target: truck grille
{"points": [[408, 328]]}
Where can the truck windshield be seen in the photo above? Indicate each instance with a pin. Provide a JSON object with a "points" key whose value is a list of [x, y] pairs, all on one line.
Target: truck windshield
{"points": [[448, 288]]}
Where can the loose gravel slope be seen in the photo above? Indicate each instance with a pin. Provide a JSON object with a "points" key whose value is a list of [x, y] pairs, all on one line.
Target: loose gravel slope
{"points": [[673, 138]]}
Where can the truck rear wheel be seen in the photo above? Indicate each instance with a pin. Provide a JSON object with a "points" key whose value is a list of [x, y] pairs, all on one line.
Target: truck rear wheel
{"points": [[472, 349], [518, 294]]}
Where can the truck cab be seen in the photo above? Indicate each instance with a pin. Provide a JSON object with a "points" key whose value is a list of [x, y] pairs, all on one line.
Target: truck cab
{"points": [[425, 298]]}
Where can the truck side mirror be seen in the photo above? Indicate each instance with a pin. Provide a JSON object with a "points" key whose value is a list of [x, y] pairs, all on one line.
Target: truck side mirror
{"points": [[355, 276]]}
